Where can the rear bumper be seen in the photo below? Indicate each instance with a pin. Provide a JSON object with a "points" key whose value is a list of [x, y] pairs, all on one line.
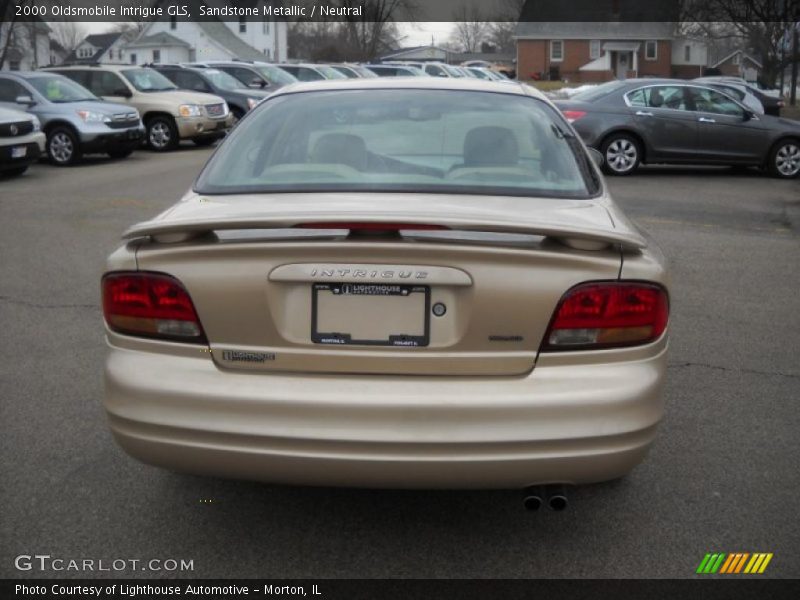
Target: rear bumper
{"points": [[33, 149], [560, 423]]}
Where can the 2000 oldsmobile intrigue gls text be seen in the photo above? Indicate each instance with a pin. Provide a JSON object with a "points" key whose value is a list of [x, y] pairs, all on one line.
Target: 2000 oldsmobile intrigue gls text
{"points": [[391, 283]]}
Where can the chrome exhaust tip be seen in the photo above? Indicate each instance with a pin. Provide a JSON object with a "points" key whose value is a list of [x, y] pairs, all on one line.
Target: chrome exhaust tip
{"points": [[557, 497], [533, 498]]}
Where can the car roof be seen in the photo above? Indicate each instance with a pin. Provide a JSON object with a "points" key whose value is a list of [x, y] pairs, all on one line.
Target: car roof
{"points": [[28, 74], [97, 67], [414, 83]]}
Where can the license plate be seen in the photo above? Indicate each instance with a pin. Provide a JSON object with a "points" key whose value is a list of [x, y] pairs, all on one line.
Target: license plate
{"points": [[19, 151], [370, 314]]}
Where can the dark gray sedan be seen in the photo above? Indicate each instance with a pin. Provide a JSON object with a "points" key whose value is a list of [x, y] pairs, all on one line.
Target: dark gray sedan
{"points": [[678, 122]]}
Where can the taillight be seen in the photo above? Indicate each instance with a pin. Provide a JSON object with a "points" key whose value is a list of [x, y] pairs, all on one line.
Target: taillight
{"points": [[574, 115], [608, 315], [150, 305]]}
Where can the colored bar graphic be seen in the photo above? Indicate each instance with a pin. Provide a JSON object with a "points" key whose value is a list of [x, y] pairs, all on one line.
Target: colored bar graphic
{"points": [[764, 564], [703, 563], [718, 563], [727, 564], [741, 562], [734, 563]]}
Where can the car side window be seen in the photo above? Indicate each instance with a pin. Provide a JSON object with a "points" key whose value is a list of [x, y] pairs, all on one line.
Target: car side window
{"points": [[435, 71], [105, 83], [189, 81], [710, 101], [246, 76], [11, 90], [659, 96], [309, 75], [81, 78]]}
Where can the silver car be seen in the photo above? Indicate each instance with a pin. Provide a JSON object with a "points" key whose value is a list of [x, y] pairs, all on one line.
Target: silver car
{"points": [[75, 121]]}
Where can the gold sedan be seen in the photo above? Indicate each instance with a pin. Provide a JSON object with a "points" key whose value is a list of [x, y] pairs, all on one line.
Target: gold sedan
{"points": [[413, 282]]}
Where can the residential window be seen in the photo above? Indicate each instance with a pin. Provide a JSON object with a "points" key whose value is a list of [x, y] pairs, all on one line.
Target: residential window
{"points": [[737, 58], [13, 65], [556, 50], [594, 49], [133, 58], [651, 50], [173, 22], [156, 56], [243, 25], [687, 53]]}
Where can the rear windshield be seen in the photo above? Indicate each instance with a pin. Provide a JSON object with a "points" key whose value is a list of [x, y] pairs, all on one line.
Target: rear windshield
{"points": [[148, 80], [60, 89], [402, 140], [600, 91]]}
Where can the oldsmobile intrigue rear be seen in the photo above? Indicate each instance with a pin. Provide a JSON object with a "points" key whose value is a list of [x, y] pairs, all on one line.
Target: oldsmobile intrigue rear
{"points": [[391, 283]]}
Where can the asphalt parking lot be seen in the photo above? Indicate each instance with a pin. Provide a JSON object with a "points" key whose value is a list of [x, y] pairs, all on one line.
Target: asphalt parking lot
{"points": [[723, 475]]}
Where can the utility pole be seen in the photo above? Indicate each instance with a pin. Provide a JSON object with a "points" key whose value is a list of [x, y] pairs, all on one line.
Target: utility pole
{"points": [[795, 61]]}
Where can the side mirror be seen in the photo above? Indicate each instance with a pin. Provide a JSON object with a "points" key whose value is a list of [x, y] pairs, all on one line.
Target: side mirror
{"points": [[597, 156], [26, 100], [124, 92], [748, 114]]}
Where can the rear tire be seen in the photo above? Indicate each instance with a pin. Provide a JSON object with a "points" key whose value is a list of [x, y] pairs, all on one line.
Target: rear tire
{"points": [[121, 153], [784, 159], [63, 148], [162, 134], [622, 154]]}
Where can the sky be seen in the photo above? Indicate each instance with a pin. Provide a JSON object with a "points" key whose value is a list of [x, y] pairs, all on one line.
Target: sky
{"points": [[416, 34]]}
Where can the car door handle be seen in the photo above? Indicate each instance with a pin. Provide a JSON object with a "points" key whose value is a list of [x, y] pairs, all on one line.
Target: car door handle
{"points": [[643, 113], [705, 120]]}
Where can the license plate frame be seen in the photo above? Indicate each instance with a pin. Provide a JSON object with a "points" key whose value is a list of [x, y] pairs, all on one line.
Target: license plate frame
{"points": [[19, 151], [377, 290]]}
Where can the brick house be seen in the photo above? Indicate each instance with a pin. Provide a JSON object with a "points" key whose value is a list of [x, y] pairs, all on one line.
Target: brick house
{"points": [[594, 51]]}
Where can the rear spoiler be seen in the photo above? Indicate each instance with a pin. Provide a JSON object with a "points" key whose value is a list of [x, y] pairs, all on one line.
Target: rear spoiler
{"points": [[583, 238]]}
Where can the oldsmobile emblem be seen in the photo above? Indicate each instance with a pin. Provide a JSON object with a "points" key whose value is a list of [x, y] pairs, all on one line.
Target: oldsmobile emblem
{"points": [[13, 129]]}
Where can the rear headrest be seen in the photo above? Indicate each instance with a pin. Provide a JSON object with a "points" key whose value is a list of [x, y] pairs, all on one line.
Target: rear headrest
{"points": [[490, 146], [340, 149]]}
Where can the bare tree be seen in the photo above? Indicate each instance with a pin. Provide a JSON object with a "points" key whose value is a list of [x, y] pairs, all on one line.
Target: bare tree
{"points": [[759, 25], [10, 29], [470, 27], [130, 30], [375, 31], [69, 34], [501, 36]]}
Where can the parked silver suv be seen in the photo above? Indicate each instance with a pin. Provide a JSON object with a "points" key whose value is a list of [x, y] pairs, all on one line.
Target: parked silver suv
{"points": [[75, 121]]}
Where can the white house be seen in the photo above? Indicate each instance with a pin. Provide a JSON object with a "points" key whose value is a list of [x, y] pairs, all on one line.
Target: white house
{"points": [[172, 40], [689, 57], [99, 48]]}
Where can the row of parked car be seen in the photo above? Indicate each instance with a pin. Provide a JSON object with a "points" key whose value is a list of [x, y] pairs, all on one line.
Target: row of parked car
{"points": [[65, 112], [113, 109]]}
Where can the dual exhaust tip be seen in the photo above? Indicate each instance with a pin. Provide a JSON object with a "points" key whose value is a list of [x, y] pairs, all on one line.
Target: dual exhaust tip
{"points": [[555, 496]]}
